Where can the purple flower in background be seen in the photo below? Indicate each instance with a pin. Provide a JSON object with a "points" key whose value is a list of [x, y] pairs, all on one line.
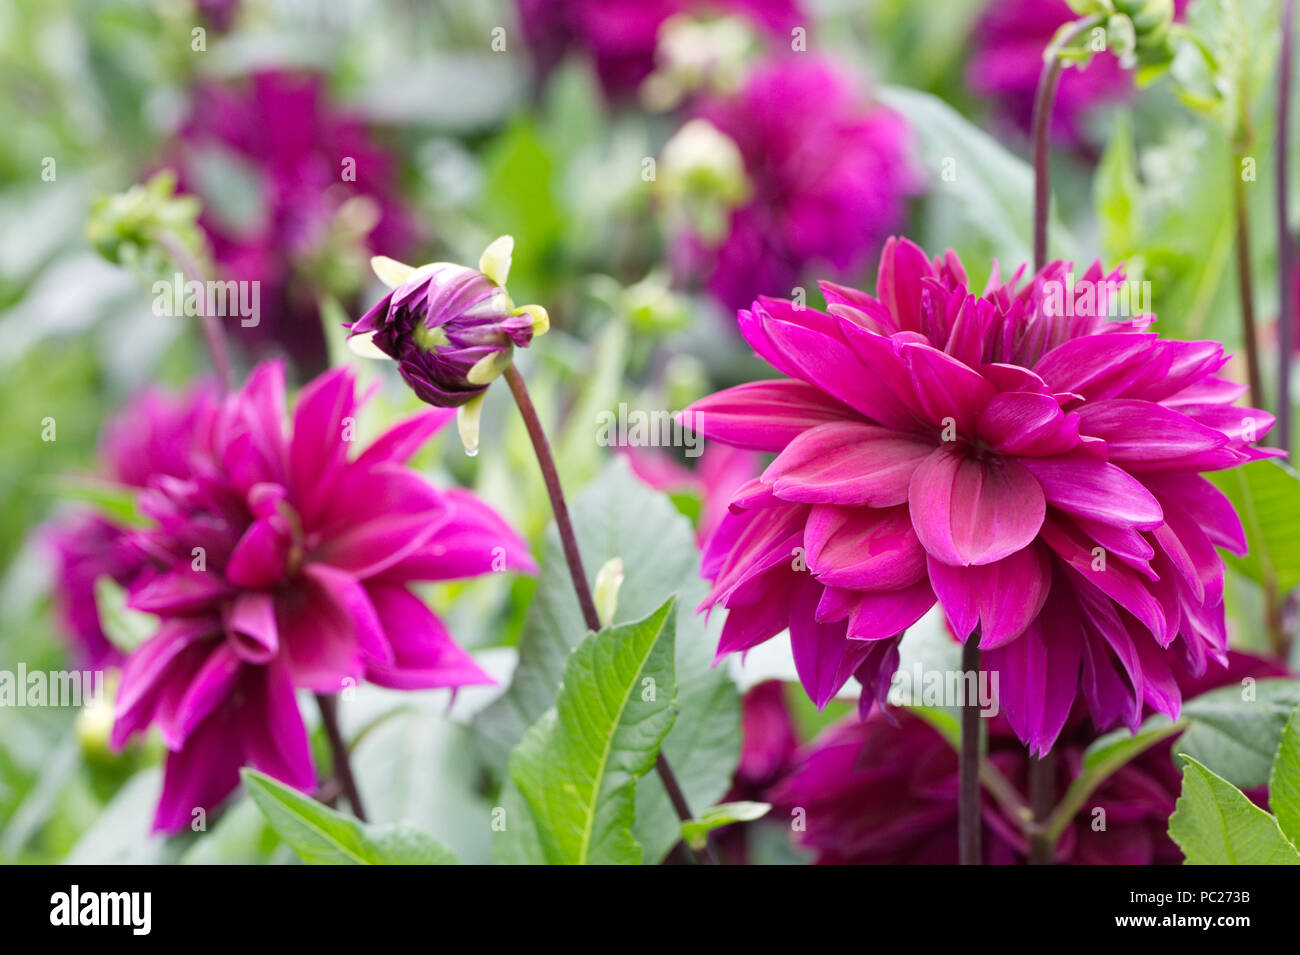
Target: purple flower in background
{"points": [[149, 436], [1029, 464], [281, 563], [1009, 42], [828, 178], [884, 792], [451, 329], [290, 187], [620, 36]]}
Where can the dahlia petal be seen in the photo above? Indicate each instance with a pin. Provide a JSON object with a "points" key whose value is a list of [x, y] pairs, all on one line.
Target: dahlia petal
{"points": [[1023, 423], [863, 549], [250, 627], [846, 462], [1038, 674], [261, 555], [424, 654], [967, 511], [1096, 366], [1115, 580], [1144, 435], [900, 281], [400, 442], [380, 516], [877, 616], [151, 667], [875, 674], [182, 591], [1204, 504], [206, 691], [764, 415], [1095, 489], [317, 640], [353, 601], [198, 776], [473, 541], [825, 361], [946, 388], [319, 449], [749, 625], [824, 657], [271, 728], [1001, 598]]}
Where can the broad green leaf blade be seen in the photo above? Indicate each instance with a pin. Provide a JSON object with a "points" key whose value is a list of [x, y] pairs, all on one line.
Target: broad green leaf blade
{"points": [[696, 831], [1266, 494], [322, 836], [1215, 824], [1236, 729], [578, 765], [612, 517], [1284, 784]]}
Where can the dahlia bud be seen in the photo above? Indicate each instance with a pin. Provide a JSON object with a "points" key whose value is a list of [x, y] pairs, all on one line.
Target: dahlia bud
{"points": [[451, 329], [1152, 20]]}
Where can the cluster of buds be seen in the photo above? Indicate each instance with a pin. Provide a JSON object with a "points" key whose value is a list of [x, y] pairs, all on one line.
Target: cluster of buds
{"points": [[1139, 32]]}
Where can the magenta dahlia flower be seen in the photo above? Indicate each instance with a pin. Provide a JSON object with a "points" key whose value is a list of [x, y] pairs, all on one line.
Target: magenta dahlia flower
{"points": [[828, 173], [1018, 457], [1009, 42], [283, 563], [306, 162], [149, 436], [620, 36], [882, 792]]}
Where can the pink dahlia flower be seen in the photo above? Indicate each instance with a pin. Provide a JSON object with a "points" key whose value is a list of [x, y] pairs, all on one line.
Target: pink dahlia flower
{"points": [[882, 792], [149, 436], [1018, 457], [620, 36], [303, 160], [283, 563], [829, 177]]}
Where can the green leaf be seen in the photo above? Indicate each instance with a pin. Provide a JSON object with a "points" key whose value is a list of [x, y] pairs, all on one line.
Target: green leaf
{"points": [[322, 836], [1266, 494], [980, 200], [611, 517], [1284, 784], [578, 765], [125, 628], [1236, 732], [696, 831], [1215, 824]]}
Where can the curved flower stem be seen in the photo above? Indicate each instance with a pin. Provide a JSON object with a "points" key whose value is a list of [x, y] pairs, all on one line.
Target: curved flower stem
{"points": [[968, 811], [1285, 246], [213, 335], [1245, 284], [1044, 100], [569, 542], [1042, 796], [329, 715]]}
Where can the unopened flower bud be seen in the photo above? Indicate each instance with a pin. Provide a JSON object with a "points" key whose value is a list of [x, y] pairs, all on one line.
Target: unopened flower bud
{"points": [[452, 329]]}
